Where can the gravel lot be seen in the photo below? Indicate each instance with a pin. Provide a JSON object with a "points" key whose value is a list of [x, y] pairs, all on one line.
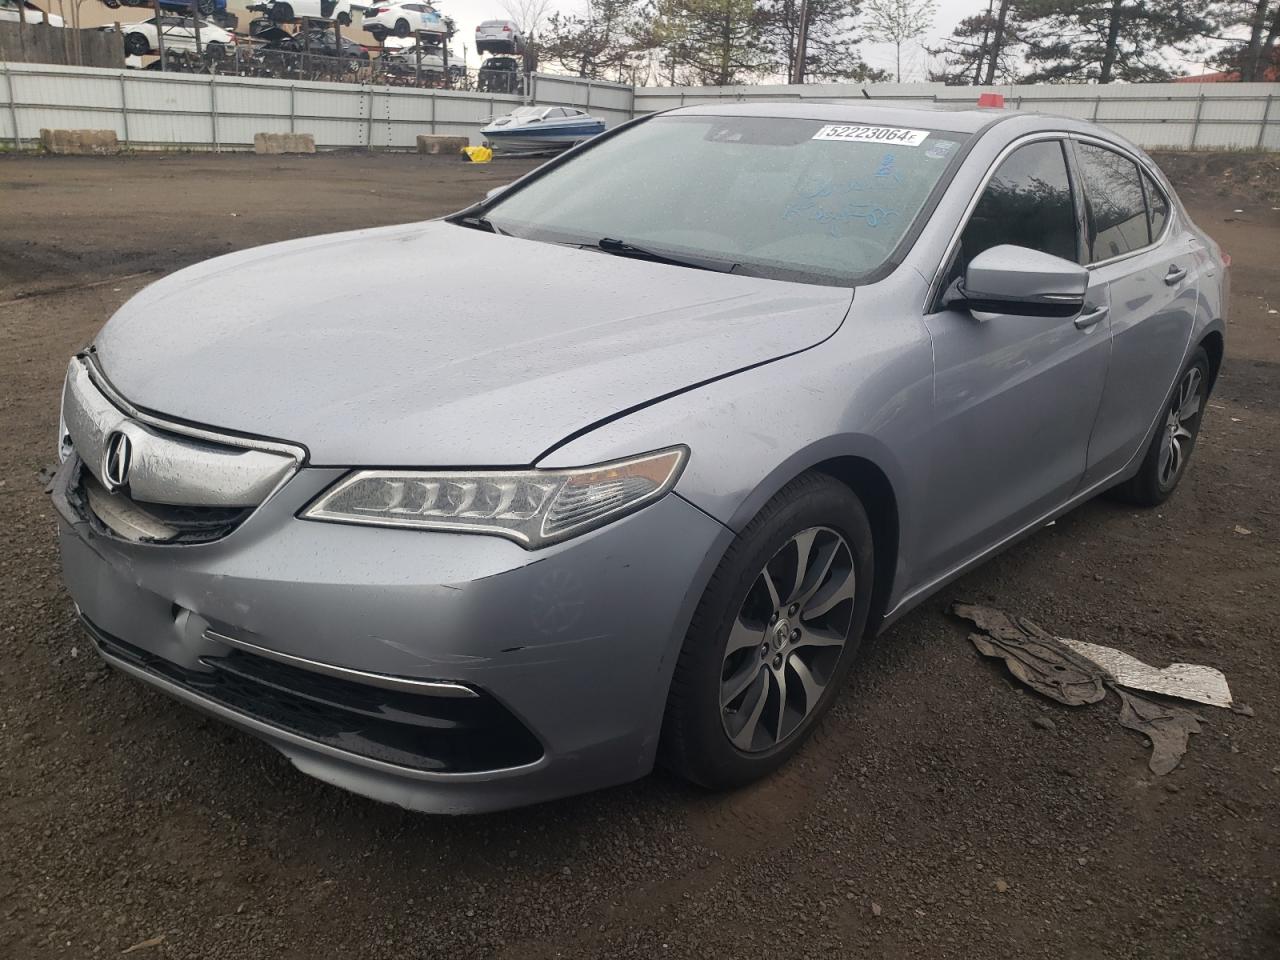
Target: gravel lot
{"points": [[930, 818]]}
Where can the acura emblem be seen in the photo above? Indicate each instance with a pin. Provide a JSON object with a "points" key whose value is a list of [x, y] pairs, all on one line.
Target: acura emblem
{"points": [[115, 464]]}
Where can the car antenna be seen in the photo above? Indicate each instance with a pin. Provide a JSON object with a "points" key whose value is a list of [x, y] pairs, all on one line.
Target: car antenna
{"points": [[865, 94]]}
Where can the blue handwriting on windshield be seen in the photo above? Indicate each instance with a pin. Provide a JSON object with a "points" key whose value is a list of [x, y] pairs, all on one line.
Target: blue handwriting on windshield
{"points": [[843, 206]]}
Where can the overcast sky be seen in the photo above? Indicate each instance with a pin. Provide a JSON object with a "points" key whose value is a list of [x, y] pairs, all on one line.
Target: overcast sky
{"points": [[915, 62], [467, 13]]}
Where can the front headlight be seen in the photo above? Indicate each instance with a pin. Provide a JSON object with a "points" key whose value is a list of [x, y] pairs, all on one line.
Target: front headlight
{"points": [[532, 507]]}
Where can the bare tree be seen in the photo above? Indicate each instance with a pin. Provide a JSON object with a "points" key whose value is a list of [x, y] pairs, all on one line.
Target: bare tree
{"points": [[897, 21], [529, 15]]}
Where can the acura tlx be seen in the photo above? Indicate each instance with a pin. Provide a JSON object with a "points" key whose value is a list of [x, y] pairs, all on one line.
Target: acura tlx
{"points": [[624, 461]]}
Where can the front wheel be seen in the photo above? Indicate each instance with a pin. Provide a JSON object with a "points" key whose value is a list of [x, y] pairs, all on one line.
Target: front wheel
{"points": [[402, 27], [344, 19], [1170, 449], [281, 13], [773, 636], [137, 45]]}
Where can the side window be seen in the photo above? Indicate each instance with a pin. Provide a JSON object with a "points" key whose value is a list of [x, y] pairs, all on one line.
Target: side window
{"points": [[1157, 204], [1118, 215], [1027, 203]]}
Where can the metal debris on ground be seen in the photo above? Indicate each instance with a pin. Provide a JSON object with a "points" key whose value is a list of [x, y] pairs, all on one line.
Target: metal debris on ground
{"points": [[1187, 681], [1167, 726], [1075, 673], [1034, 657]]}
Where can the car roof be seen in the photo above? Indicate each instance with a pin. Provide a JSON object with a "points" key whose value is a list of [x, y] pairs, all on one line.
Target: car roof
{"points": [[931, 116]]}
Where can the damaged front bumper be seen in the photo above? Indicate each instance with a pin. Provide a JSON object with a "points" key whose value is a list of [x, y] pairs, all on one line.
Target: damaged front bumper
{"points": [[441, 672]]}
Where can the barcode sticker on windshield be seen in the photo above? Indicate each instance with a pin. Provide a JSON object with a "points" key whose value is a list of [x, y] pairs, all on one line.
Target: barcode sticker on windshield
{"points": [[860, 134]]}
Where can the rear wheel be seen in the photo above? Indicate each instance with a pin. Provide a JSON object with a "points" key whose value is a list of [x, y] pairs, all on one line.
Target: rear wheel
{"points": [[281, 13], [773, 637], [136, 44], [1170, 450], [402, 27], [344, 19]]}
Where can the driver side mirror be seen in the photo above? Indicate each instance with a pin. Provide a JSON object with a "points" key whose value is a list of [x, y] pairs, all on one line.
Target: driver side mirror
{"points": [[1019, 281]]}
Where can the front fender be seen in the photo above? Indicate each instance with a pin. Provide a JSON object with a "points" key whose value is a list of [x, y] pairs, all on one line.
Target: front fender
{"points": [[865, 393]]}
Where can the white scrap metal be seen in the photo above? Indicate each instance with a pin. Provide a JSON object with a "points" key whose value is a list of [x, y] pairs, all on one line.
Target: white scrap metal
{"points": [[1187, 681]]}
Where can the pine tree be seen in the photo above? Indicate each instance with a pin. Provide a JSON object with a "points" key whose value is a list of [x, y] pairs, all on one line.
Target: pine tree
{"points": [[982, 49], [831, 53], [1077, 41], [599, 43], [709, 42], [1259, 52]]}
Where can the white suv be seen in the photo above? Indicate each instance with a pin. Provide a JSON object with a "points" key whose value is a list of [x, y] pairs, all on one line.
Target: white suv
{"points": [[403, 19], [282, 11]]}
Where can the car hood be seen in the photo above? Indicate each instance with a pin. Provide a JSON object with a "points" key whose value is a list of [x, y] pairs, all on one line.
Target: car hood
{"points": [[436, 345]]}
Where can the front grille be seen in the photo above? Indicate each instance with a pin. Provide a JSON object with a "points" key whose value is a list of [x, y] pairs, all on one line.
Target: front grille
{"points": [[148, 480], [419, 731], [118, 514]]}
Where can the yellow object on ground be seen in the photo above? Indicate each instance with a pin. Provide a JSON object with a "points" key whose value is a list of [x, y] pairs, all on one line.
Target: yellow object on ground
{"points": [[478, 154]]}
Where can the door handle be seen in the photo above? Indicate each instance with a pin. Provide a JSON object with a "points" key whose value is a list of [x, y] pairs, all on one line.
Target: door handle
{"points": [[1088, 320], [1175, 274]]}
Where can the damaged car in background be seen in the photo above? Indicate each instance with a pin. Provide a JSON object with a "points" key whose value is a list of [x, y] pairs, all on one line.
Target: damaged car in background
{"points": [[758, 380]]}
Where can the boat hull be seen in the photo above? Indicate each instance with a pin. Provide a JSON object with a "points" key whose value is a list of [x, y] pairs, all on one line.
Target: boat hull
{"points": [[522, 138]]}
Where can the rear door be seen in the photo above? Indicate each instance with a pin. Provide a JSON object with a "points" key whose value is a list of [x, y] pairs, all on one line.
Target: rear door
{"points": [[1149, 263], [1015, 397]]}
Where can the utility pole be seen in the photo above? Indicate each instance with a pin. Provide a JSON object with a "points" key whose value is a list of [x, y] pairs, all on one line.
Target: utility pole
{"points": [[802, 44], [164, 60]]}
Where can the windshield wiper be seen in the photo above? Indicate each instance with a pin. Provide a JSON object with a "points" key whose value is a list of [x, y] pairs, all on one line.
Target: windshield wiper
{"points": [[479, 223], [620, 248]]}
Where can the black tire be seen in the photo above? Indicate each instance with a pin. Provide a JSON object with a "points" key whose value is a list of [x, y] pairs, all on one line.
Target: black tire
{"points": [[136, 44], [1154, 482], [215, 50], [206, 7], [281, 13], [695, 743], [402, 27], [344, 19]]}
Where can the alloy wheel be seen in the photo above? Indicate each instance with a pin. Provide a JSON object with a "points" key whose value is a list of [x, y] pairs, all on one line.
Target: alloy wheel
{"points": [[1180, 427], [787, 639]]}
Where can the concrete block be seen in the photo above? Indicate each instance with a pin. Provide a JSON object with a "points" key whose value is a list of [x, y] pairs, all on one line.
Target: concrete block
{"points": [[275, 143], [437, 145], [80, 143]]}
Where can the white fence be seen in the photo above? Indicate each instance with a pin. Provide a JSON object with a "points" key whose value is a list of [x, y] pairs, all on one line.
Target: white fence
{"points": [[1176, 115], [201, 111]]}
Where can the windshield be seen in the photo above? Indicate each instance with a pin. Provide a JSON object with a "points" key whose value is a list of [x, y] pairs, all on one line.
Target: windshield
{"points": [[792, 199]]}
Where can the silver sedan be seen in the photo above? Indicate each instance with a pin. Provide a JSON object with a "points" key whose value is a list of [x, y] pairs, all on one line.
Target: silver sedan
{"points": [[738, 385]]}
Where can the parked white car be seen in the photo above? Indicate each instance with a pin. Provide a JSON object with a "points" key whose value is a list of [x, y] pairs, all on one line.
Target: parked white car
{"points": [[284, 11], [179, 34], [403, 19], [401, 57], [13, 11], [498, 36]]}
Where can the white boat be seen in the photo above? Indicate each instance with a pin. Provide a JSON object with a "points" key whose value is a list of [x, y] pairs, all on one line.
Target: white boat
{"points": [[540, 129]]}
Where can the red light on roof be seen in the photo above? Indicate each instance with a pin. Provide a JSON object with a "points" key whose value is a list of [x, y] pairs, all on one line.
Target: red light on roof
{"points": [[991, 99]]}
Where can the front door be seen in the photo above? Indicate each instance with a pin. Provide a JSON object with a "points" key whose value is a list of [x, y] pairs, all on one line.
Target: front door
{"points": [[1015, 397]]}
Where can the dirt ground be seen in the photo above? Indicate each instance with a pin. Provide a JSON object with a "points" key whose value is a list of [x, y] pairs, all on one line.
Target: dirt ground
{"points": [[930, 818]]}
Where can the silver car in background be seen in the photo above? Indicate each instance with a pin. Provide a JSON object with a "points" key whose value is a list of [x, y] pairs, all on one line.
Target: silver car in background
{"points": [[758, 379]]}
